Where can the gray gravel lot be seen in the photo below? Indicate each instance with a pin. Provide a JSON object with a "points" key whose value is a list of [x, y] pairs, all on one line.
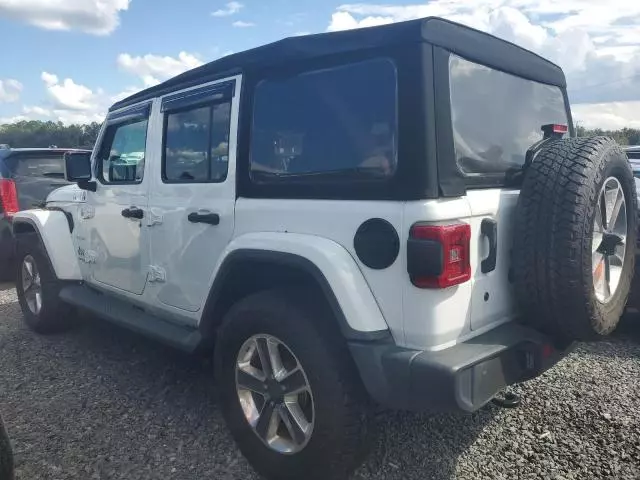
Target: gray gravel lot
{"points": [[100, 402]]}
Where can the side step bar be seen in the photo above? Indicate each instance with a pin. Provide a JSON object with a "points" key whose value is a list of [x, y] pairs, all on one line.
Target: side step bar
{"points": [[131, 317]]}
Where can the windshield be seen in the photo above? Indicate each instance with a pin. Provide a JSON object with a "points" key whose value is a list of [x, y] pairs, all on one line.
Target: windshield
{"points": [[496, 116]]}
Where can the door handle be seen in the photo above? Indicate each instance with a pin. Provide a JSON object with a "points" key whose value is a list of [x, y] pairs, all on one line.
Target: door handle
{"points": [[133, 212], [489, 228], [204, 217]]}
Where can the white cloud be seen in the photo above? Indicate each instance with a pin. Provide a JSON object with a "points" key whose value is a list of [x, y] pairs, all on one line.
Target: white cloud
{"points": [[596, 42], [49, 78], [65, 116], [608, 116], [230, 8], [127, 92], [69, 117], [68, 95], [98, 17], [241, 24], [10, 90], [71, 102], [36, 111], [153, 69]]}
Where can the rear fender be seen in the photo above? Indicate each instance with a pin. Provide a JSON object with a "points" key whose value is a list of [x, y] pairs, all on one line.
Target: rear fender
{"points": [[333, 268], [52, 226]]}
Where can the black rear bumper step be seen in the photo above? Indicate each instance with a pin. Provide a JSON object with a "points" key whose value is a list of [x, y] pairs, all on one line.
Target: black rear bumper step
{"points": [[463, 377]]}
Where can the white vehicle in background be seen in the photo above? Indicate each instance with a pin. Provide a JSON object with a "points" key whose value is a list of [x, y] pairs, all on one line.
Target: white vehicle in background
{"points": [[633, 154], [380, 216]]}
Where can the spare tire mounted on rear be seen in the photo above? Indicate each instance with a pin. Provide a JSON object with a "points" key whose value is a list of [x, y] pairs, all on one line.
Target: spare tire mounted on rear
{"points": [[575, 237]]}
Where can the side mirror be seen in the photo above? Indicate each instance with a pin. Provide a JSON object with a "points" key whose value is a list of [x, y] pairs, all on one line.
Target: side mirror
{"points": [[77, 166]]}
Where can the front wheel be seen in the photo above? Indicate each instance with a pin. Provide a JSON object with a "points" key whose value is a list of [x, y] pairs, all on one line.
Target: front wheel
{"points": [[38, 288], [289, 391]]}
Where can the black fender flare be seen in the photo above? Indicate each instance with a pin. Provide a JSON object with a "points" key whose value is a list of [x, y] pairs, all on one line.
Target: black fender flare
{"points": [[289, 260]]}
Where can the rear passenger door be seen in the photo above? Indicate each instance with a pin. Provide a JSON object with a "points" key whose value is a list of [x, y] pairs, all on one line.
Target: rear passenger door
{"points": [[191, 203]]}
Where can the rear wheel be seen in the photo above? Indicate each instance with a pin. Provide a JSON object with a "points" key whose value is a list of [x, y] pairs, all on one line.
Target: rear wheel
{"points": [[290, 394], [575, 238], [38, 289]]}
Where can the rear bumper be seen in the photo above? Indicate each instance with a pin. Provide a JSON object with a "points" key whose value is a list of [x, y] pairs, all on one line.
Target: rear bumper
{"points": [[464, 377]]}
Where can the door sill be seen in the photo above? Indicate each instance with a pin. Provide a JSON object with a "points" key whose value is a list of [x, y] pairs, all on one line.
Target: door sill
{"points": [[132, 317]]}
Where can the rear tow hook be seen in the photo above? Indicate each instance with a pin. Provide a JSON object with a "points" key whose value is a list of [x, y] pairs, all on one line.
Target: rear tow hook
{"points": [[507, 400]]}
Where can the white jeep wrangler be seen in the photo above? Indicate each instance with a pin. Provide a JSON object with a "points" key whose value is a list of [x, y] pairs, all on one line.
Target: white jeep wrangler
{"points": [[380, 216]]}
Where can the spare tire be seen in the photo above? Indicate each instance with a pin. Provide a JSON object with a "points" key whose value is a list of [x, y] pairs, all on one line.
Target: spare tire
{"points": [[575, 237]]}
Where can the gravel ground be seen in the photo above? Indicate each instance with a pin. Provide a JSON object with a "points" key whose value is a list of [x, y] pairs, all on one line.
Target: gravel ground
{"points": [[100, 402]]}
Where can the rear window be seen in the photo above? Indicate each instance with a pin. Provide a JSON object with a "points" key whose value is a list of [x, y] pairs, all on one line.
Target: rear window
{"points": [[37, 165], [327, 125], [496, 116]]}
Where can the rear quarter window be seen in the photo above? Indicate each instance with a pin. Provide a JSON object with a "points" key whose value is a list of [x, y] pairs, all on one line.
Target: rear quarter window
{"points": [[333, 125]]}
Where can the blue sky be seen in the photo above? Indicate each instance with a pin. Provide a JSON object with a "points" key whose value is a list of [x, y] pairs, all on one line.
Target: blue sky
{"points": [[69, 60]]}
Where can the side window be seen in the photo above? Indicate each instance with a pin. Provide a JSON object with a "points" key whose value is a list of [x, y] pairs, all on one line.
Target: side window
{"points": [[324, 125], [121, 156], [196, 144]]}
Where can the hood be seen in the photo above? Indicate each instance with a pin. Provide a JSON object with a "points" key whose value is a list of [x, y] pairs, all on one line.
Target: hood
{"points": [[67, 194]]}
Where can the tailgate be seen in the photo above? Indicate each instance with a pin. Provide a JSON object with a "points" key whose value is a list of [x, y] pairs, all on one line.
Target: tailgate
{"points": [[492, 215]]}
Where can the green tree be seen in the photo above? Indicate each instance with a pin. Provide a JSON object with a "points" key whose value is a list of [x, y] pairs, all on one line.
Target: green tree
{"points": [[625, 136], [36, 133]]}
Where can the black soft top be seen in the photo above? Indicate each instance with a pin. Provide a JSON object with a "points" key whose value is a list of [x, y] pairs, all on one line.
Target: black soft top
{"points": [[462, 40]]}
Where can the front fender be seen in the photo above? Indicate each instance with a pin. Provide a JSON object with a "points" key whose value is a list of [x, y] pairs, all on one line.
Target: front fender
{"points": [[327, 260], [52, 227]]}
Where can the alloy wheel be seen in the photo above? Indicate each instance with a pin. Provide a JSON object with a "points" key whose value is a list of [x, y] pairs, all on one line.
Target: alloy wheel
{"points": [[31, 284], [609, 244], [275, 394]]}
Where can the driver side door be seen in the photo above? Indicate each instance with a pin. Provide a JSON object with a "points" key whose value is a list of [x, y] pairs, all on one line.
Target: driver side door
{"points": [[117, 240]]}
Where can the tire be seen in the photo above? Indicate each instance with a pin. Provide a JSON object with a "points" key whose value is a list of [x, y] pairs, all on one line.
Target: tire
{"points": [[6, 455], [554, 265], [53, 315], [341, 431]]}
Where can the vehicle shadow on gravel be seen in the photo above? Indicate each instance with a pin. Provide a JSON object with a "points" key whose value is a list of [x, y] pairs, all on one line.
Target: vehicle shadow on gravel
{"points": [[105, 402], [425, 446]]}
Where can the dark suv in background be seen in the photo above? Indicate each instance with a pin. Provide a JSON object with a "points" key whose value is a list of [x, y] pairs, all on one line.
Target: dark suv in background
{"points": [[633, 153], [27, 176]]}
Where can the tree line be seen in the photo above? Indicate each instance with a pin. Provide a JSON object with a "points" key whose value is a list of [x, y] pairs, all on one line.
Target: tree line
{"points": [[625, 136], [41, 134], [36, 133]]}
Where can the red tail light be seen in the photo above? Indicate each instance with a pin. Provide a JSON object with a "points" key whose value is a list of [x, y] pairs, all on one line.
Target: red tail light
{"points": [[438, 255], [9, 197]]}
